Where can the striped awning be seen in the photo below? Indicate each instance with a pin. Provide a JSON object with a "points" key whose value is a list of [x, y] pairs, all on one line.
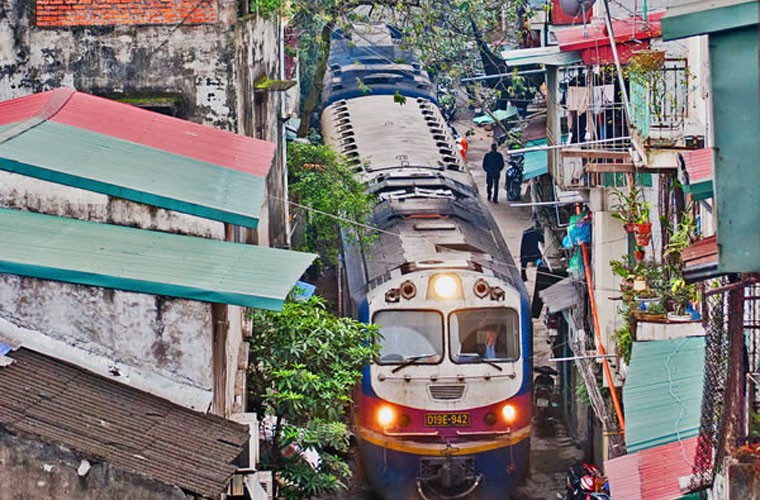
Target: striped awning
{"points": [[88, 142], [153, 262]]}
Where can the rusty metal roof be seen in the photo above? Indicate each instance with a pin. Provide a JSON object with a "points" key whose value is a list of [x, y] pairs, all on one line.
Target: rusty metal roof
{"points": [[132, 430], [653, 474]]}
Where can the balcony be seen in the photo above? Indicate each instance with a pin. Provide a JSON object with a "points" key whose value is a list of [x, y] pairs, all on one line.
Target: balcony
{"points": [[660, 108]]}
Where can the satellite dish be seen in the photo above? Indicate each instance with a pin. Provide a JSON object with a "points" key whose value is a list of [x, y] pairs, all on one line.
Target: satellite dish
{"points": [[575, 7]]}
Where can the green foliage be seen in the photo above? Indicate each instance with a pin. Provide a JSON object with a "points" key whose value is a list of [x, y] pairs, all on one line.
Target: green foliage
{"points": [[624, 340], [266, 7], [321, 180], [630, 207], [305, 363], [398, 98]]}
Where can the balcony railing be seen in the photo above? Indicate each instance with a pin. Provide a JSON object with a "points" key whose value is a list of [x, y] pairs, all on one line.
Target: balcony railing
{"points": [[659, 103]]}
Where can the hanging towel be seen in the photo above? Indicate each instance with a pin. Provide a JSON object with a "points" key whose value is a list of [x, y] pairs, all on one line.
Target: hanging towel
{"points": [[578, 99]]}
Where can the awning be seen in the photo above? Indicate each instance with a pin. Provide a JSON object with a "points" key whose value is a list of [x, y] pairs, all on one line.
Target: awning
{"points": [[653, 474], [560, 296], [663, 392], [700, 260], [537, 162], [699, 170], [550, 56], [699, 18], [100, 145], [592, 41], [499, 114], [124, 258]]}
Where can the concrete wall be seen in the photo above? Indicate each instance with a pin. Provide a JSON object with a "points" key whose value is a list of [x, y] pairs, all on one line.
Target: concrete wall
{"points": [[193, 62], [32, 469], [158, 344], [203, 61]]}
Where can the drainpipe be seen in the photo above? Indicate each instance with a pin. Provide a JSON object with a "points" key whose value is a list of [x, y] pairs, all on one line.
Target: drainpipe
{"points": [[597, 335]]}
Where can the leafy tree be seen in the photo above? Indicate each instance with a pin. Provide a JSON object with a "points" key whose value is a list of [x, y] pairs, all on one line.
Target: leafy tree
{"points": [[305, 363], [321, 180]]}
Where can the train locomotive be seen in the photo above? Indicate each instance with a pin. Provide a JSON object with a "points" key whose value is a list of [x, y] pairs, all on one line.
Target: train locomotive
{"points": [[445, 411]]}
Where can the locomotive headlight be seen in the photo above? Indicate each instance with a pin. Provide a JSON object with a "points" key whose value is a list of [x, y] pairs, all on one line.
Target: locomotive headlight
{"points": [[446, 286], [385, 416], [509, 413]]}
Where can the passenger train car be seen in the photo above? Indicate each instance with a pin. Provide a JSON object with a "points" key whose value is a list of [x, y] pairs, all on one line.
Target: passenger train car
{"points": [[440, 415]]}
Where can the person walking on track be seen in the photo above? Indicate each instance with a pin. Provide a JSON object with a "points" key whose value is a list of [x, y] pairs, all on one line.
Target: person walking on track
{"points": [[493, 163]]}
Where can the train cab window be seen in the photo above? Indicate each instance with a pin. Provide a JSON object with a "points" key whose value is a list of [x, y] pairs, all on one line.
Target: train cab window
{"points": [[410, 336], [484, 335]]}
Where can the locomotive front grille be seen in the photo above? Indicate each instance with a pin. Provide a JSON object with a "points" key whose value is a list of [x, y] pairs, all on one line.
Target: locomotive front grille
{"points": [[446, 392]]}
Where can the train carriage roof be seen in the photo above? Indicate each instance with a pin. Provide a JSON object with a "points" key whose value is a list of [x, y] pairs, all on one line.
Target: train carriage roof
{"points": [[386, 135], [424, 229]]}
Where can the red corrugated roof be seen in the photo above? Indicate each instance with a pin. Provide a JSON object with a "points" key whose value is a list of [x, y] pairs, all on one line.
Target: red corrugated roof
{"points": [[699, 164], [595, 34], [22, 108], [652, 474], [133, 124]]}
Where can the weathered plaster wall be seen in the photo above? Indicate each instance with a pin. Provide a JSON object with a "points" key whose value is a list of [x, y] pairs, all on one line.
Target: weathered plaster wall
{"points": [[32, 469], [259, 56], [27, 193], [192, 62], [165, 341]]}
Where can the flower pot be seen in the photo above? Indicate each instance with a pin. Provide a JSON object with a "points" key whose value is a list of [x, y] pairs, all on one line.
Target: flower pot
{"points": [[643, 240], [644, 228], [629, 227], [679, 317], [638, 255]]}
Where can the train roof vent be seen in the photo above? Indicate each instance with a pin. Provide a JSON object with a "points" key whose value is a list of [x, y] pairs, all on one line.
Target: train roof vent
{"points": [[439, 137], [449, 392], [351, 147], [446, 151], [347, 134], [427, 112]]}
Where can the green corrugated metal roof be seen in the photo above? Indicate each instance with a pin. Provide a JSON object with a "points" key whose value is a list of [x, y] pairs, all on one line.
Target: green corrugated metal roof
{"points": [[90, 253], [662, 395], [97, 162]]}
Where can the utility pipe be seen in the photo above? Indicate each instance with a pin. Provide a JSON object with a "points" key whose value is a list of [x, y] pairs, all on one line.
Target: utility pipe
{"points": [[599, 344]]}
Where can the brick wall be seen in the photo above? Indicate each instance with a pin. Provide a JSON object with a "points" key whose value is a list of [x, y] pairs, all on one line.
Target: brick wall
{"points": [[54, 13]]}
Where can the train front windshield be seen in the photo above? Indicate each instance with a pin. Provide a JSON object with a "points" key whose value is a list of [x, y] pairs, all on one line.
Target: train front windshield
{"points": [[410, 335], [484, 335]]}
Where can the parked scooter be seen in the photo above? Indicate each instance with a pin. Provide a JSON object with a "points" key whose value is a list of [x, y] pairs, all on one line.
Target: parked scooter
{"points": [[586, 482], [515, 176], [543, 400]]}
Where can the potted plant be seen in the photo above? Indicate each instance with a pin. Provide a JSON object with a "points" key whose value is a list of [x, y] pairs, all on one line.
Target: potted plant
{"points": [[627, 207], [682, 295], [638, 254], [643, 226]]}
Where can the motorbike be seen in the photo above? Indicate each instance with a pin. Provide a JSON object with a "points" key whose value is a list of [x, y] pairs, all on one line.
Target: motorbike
{"points": [[544, 399], [586, 482], [515, 176]]}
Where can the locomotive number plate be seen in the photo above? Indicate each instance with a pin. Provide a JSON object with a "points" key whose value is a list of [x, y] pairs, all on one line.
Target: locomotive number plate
{"points": [[447, 420]]}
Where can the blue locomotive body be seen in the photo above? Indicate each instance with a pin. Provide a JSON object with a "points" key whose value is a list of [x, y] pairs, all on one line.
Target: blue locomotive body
{"points": [[445, 412]]}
